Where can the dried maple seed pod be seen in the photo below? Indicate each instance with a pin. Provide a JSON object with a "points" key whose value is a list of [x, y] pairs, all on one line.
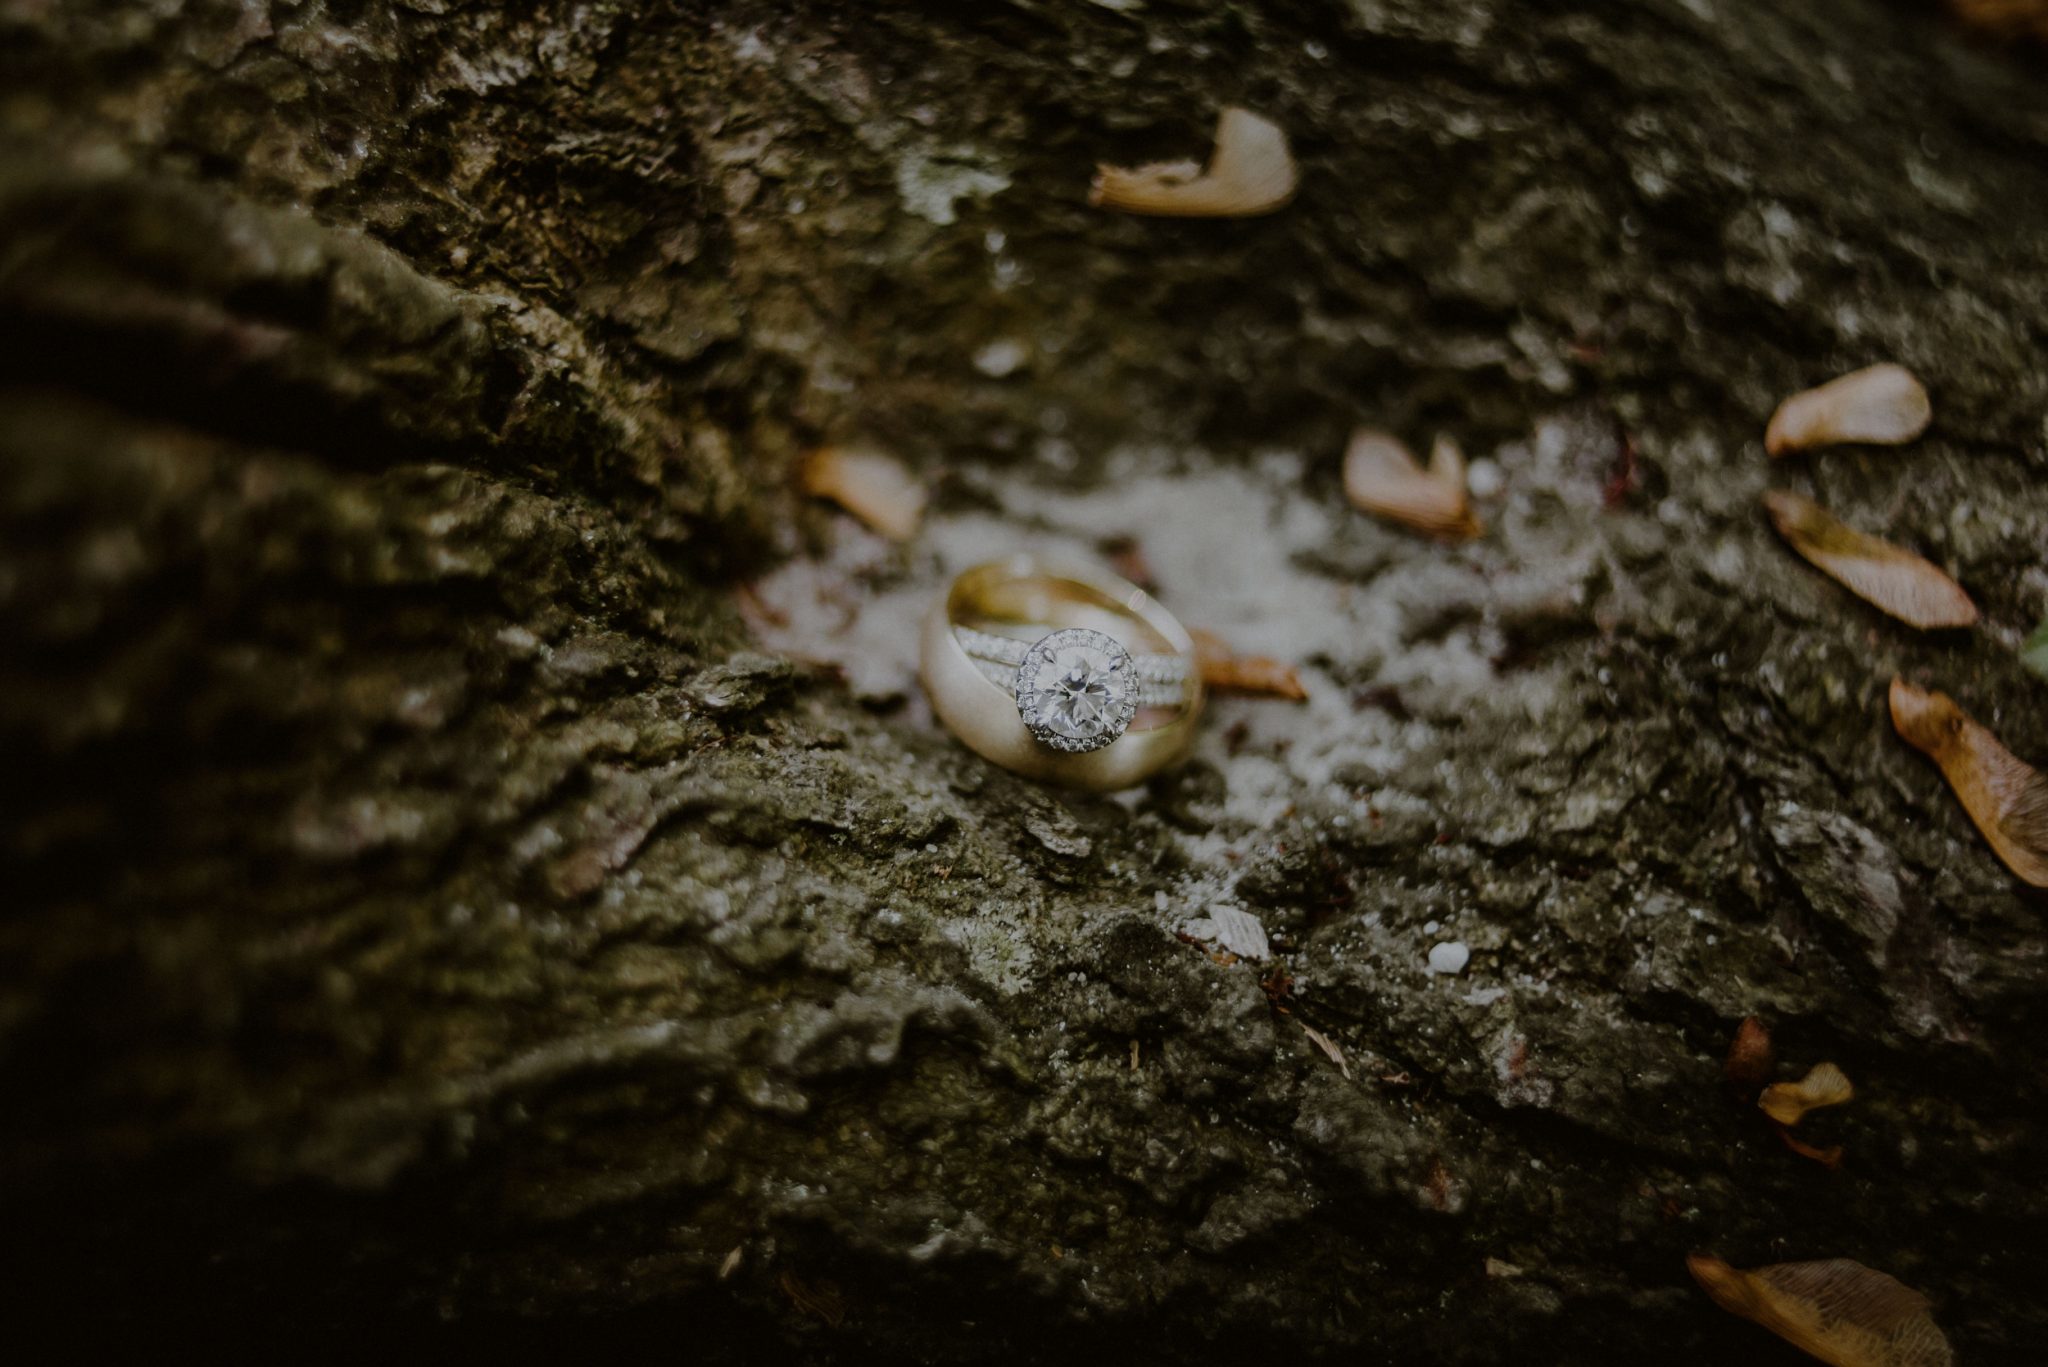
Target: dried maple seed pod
{"points": [[2005, 797], [1881, 574], [1823, 1085], [874, 487], [1250, 172], [1882, 404], [1253, 675], [1381, 476], [1840, 1311]]}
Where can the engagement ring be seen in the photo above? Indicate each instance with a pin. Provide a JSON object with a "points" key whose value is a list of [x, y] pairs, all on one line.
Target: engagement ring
{"points": [[1069, 676]]}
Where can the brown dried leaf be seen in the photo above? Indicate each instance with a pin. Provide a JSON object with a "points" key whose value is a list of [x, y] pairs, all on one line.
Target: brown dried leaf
{"points": [[1829, 1157], [2005, 797], [1381, 476], [1884, 575], [1329, 1047], [1250, 172], [1881, 404], [1840, 1311], [1750, 1057], [1823, 1085], [871, 485], [1256, 675]]}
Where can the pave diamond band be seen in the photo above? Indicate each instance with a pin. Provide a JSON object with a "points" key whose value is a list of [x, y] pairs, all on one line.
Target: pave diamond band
{"points": [[1071, 676], [1151, 693], [1011, 650]]}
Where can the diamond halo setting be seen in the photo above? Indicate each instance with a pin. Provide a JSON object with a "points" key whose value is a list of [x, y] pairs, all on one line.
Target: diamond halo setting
{"points": [[1077, 690]]}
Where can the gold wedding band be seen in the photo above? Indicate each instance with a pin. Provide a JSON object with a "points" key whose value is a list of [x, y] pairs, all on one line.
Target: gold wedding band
{"points": [[1065, 675]]}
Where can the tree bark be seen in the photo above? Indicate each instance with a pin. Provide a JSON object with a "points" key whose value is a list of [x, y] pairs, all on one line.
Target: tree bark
{"points": [[479, 872]]}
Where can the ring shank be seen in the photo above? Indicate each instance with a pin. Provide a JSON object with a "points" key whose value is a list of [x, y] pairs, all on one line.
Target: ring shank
{"points": [[1022, 589]]}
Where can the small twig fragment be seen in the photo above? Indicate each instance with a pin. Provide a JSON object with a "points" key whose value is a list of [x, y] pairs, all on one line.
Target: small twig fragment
{"points": [[1883, 405]]}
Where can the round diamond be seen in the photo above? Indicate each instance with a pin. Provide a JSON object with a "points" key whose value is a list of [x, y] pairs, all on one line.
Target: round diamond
{"points": [[1077, 689]]}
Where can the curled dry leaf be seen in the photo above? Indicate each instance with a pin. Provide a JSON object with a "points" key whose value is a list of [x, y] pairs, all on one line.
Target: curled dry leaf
{"points": [[1840, 1311], [1882, 404], [1257, 675], [1823, 1085], [2005, 797], [1750, 1057], [1250, 172], [1881, 574], [871, 485], [1382, 477]]}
